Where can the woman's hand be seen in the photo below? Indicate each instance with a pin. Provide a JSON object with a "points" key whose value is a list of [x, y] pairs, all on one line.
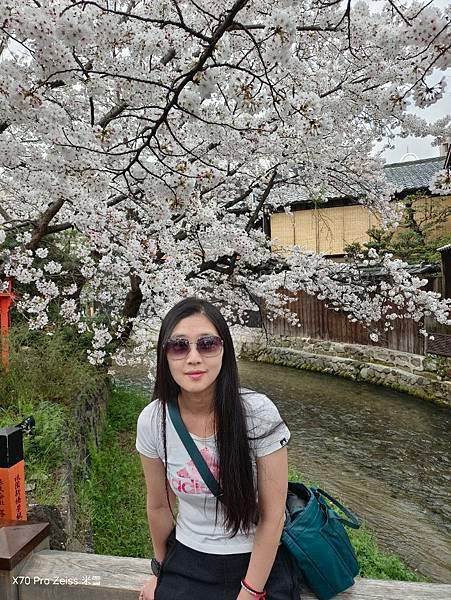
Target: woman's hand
{"points": [[148, 591]]}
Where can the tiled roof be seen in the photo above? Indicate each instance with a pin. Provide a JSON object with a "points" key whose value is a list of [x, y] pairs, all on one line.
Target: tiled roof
{"points": [[414, 174], [404, 176], [418, 269]]}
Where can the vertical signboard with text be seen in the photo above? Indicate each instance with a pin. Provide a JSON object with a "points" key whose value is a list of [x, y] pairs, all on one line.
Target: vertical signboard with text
{"points": [[12, 475]]}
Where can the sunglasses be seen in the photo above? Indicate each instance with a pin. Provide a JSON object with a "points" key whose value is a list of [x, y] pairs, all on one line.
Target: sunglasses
{"points": [[206, 345]]}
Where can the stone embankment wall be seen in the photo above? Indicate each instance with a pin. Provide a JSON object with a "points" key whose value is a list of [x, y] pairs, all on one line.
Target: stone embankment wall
{"points": [[428, 377]]}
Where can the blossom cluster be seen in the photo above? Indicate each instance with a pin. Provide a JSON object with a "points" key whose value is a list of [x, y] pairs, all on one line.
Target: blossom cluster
{"points": [[143, 146]]}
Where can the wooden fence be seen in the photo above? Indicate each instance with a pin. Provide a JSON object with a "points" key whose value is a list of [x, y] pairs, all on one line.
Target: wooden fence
{"points": [[319, 322]]}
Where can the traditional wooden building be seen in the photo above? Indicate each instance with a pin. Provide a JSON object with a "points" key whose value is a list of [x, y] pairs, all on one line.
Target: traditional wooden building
{"points": [[330, 227]]}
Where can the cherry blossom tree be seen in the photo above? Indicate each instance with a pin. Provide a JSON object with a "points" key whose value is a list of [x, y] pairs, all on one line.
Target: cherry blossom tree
{"points": [[142, 142]]}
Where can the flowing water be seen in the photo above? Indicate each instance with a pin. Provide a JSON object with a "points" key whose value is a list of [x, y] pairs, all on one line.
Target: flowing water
{"points": [[385, 454]]}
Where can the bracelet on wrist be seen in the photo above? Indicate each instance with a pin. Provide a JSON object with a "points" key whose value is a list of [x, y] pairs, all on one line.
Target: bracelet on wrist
{"points": [[155, 566], [252, 592]]}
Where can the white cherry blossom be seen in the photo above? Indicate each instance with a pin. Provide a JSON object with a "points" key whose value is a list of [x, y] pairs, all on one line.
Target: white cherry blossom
{"points": [[141, 143]]}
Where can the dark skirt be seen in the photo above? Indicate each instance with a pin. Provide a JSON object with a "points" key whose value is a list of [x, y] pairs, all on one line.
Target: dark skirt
{"points": [[202, 576]]}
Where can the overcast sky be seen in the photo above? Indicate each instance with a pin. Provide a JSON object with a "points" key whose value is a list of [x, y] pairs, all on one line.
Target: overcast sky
{"points": [[412, 147]]}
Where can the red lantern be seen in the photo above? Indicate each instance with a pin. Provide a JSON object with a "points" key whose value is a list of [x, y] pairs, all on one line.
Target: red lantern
{"points": [[6, 299]]}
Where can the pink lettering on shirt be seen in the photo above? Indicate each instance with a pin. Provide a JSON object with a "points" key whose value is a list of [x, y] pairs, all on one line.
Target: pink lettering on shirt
{"points": [[188, 479]]}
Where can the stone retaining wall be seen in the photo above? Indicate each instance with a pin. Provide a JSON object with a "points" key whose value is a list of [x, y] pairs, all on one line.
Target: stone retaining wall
{"points": [[428, 377]]}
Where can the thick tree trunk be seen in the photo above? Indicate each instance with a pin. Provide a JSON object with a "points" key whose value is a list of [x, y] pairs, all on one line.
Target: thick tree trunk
{"points": [[131, 308]]}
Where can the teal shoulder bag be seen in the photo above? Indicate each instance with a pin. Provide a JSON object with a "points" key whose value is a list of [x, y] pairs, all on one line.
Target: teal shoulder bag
{"points": [[313, 532], [315, 535]]}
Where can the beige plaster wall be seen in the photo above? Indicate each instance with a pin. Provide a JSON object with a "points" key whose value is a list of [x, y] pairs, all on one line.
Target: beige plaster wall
{"points": [[329, 230], [326, 230]]}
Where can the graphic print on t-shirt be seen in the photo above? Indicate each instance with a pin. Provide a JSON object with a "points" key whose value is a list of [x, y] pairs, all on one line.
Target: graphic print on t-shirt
{"points": [[188, 479]]}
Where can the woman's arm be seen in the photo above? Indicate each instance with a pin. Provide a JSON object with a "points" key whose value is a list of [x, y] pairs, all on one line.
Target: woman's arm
{"points": [[158, 512], [272, 483]]}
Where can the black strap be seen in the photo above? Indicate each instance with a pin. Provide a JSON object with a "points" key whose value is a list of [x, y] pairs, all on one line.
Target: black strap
{"points": [[354, 523], [193, 450]]}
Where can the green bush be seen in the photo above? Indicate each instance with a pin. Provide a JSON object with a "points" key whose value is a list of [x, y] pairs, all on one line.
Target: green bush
{"points": [[46, 373], [45, 449], [376, 564], [46, 366]]}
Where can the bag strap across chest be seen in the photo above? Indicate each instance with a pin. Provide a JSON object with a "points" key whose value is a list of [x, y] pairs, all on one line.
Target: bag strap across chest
{"points": [[192, 449]]}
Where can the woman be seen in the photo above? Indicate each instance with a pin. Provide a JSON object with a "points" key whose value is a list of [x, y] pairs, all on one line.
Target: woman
{"points": [[227, 549]]}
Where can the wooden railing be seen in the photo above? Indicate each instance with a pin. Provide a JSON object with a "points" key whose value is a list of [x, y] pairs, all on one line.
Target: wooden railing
{"points": [[56, 575]]}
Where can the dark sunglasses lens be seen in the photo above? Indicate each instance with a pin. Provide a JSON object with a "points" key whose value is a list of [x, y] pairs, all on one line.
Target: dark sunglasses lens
{"points": [[209, 345], [177, 348]]}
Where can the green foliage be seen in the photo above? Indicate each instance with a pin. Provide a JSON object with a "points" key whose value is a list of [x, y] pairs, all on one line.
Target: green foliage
{"points": [[115, 495], [408, 246], [45, 449], [416, 239], [379, 239], [45, 374], [413, 248], [376, 564], [443, 367], [46, 366]]}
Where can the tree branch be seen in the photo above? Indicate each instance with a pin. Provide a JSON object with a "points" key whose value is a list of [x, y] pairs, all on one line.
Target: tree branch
{"points": [[57, 228], [4, 214], [218, 33], [4, 126], [235, 26], [112, 114], [129, 15], [170, 54], [130, 310], [262, 200], [41, 226]]}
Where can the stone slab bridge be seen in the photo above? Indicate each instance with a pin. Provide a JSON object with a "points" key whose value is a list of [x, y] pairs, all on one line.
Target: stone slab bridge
{"points": [[29, 570]]}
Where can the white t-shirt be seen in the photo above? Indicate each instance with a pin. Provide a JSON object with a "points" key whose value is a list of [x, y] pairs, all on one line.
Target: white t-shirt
{"points": [[197, 505]]}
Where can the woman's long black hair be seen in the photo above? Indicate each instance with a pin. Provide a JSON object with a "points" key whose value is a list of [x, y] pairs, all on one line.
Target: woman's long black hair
{"points": [[236, 478]]}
